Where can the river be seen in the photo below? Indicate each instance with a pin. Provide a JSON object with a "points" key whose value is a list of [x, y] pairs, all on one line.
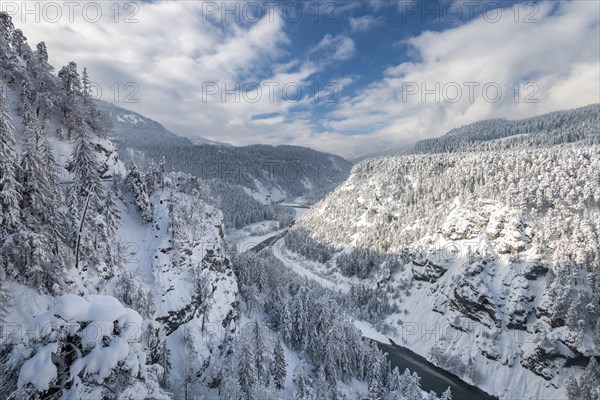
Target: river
{"points": [[432, 377]]}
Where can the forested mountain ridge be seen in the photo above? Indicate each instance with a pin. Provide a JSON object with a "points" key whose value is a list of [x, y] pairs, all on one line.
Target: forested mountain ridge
{"points": [[500, 246], [580, 125], [245, 182], [269, 173]]}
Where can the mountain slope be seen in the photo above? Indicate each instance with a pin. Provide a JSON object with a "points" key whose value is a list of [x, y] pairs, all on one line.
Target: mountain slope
{"points": [[269, 174], [129, 128], [565, 126], [134, 271], [491, 256]]}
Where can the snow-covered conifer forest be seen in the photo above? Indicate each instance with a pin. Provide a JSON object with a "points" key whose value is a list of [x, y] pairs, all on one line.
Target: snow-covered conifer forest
{"points": [[135, 264]]}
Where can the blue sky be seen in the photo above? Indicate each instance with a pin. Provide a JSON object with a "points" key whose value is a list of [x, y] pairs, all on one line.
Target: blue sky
{"points": [[387, 72]]}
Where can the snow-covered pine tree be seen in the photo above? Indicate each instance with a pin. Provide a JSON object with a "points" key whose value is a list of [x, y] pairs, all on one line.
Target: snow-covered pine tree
{"points": [[7, 59], [86, 192], [230, 388], [89, 112], [287, 325], [155, 177], [447, 395], [36, 254], [85, 87], [246, 367], [112, 215], [44, 82], [279, 370], [71, 93], [19, 43], [9, 189], [376, 383], [322, 387], [5, 299], [52, 214], [259, 351], [302, 391], [34, 190], [589, 382], [137, 185], [85, 167]]}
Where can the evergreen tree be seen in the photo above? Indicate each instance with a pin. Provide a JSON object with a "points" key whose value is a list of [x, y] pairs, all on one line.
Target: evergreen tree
{"points": [[302, 384], [230, 388], [112, 215], [376, 383], [259, 351], [247, 368], [42, 52], [164, 361], [52, 213], [71, 93], [90, 114], [34, 192], [447, 395], [322, 387], [573, 388], [85, 194], [279, 365], [9, 189], [136, 182], [7, 59], [85, 167], [85, 88], [589, 383], [19, 44], [5, 300], [44, 82], [39, 260]]}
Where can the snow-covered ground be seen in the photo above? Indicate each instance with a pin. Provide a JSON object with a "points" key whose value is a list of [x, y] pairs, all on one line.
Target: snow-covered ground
{"points": [[298, 265], [249, 236]]}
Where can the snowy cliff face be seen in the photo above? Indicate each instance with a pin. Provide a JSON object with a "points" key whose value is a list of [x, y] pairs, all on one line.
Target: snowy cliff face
{"points": [[496, 279], [181, 263]]}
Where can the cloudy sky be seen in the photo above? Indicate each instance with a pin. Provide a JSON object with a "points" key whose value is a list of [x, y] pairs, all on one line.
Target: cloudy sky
{"points": [[350, 77]]}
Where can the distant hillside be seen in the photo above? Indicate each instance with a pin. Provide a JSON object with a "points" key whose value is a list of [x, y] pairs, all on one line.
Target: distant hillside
{"points": [[131, 128], [270, 174], [565, 126]]}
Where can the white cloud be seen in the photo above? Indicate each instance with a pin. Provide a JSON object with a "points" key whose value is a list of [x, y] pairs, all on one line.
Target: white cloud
{"points": [[363, 23], [338, 48], [559, 54], [172, 51]]}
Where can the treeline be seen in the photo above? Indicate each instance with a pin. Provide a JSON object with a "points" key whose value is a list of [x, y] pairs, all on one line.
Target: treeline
{"points": [[241, 209], [567, 126]]}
